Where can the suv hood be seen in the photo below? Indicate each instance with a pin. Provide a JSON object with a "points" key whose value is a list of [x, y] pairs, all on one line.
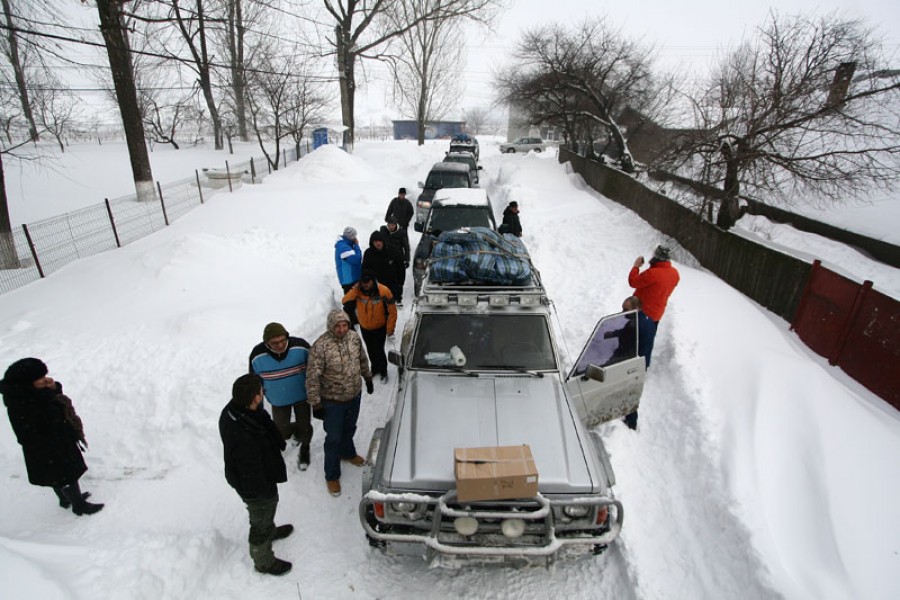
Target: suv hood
{"points": [[446, 411]]}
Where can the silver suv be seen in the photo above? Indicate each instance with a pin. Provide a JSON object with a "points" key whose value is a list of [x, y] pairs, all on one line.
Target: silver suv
{"points": [[503, 385], [442, 175], [525, 144]]}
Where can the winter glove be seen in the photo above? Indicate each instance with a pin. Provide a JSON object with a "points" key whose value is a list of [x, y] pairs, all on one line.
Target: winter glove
{"points": [[370, 387], [318, 411], [405, 264]]}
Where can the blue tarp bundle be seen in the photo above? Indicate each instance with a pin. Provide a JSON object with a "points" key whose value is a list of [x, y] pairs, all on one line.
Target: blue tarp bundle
{"points": [[480, 254]]}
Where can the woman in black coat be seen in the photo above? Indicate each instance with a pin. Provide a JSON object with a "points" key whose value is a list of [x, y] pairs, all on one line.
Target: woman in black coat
{"points": [[49, 431]]}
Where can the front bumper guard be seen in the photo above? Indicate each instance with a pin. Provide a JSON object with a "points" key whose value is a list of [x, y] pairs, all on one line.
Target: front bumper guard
{"points": [[443, 512]]}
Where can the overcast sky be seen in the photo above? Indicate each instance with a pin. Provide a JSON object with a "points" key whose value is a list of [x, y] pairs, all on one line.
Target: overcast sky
{"points": [[690, 33]]}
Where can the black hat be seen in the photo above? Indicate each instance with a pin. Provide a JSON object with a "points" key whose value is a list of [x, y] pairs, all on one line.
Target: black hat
{"points": [[401, 191], [514, 204], [25, 371], [367, 275], [392, 219]]}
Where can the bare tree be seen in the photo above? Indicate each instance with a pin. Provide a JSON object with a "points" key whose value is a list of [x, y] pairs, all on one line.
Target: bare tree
{"points": [[10, 49], [112, 27], [476, 119], [427, 63], [592, 72], [807, 109], [56, 109], [285, 97], [361, 27]]}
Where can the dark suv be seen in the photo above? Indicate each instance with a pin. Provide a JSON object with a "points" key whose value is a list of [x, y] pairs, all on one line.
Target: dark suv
{"points": [[465, 158], [452, 209], [442, 175]]}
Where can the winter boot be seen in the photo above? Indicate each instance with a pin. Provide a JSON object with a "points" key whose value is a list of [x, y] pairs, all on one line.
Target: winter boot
{"points": [[80, 506], [303, 457], [282, 531], [63, 501], [279, 567]]}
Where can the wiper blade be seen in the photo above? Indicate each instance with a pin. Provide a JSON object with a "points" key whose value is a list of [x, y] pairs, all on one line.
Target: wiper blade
{"points": [[519, 369], [464, 371]]}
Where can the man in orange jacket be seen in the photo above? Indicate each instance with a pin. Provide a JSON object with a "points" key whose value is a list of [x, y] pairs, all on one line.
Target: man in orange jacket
{"points": [[653, 287], [377, 315]]}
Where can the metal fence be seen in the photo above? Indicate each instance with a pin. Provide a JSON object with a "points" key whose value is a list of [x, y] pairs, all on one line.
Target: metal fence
{"points": [[855, 327], [40, 248]]}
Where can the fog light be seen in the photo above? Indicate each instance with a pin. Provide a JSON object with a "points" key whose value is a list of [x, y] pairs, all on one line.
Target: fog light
{"points": [[404, 507], [379, 509], [512, 528], [575, 511], [466, 526]]}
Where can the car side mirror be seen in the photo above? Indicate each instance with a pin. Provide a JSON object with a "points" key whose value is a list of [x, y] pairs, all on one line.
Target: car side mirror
{"points": [[421, 186], [395, 358], [479, 167], [596, 373], [418, 227]]}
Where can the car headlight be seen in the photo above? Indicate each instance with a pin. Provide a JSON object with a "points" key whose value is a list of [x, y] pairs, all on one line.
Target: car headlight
{"points": [[404, 507], [575, 511]]}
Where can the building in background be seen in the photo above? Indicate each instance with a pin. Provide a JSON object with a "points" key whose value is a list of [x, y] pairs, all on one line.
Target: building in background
{"points": [[434, 130]]}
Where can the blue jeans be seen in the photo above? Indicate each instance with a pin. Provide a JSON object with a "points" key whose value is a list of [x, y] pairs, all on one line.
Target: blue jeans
{"points": [[340, 427]]}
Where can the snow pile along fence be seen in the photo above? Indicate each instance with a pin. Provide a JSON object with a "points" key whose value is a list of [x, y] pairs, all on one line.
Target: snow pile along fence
{"points": [[37, 249]]}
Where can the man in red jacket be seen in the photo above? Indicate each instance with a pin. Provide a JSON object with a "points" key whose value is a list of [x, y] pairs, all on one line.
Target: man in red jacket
{"points": [[653, 287]]}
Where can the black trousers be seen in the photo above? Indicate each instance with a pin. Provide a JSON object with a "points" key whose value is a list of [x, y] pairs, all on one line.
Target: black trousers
{"points": [[374, 339]]}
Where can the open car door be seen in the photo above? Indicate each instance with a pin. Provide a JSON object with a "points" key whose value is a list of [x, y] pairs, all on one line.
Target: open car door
{"points": [[608, 377]]}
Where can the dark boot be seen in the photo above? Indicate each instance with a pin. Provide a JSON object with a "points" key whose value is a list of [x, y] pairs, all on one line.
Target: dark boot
{"points": [[279, 567], [282, 531], [80, 506], [303, 457], [63, 501]]}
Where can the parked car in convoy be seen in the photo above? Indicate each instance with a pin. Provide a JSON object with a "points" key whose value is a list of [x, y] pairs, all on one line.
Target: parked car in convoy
{"points": [[462, 142], [451, 209], [524, 144], [442, 175], [479, 367], [466, 158]]}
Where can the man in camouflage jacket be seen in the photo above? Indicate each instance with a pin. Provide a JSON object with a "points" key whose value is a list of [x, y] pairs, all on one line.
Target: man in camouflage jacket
{"points": [[337, 362]]}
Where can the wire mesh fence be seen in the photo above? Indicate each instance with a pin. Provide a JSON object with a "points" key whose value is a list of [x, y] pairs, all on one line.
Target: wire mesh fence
{"points": [[37, 249]]}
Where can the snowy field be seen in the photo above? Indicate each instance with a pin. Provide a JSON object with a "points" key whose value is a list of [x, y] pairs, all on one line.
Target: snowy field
{"points": [[758, 471]]}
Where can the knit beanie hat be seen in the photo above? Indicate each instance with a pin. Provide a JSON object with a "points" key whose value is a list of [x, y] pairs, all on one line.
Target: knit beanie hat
{"points": [[661, 254], [349, 233], [25, 371], [273, 330]]}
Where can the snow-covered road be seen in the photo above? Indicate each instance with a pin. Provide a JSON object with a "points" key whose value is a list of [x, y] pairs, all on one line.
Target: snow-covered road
{"points": [[734, 485]]}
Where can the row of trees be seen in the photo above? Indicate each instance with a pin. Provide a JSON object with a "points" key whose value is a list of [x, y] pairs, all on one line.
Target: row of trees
{"points": [[809, 108], [248, 68]]}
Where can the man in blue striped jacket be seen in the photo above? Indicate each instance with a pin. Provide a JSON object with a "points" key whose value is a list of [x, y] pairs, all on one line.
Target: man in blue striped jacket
{"points": [[280, 360]]}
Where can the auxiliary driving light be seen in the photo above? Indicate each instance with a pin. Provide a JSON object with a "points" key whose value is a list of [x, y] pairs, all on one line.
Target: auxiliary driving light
{"points": [[574, 511], [512, 528], [404, 507], [465, 525]]}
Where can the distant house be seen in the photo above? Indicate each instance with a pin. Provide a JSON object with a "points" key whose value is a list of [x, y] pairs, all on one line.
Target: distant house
{"points": [[434, 130]]}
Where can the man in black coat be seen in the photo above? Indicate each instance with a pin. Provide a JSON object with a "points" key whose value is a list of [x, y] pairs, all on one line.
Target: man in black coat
{"points": [[401, 209], [386, 263], [511, 219], [49, 431], [254, 468], [396, 238]]}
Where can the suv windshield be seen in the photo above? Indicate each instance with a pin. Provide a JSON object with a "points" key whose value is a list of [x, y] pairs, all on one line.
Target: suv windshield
{"points": [[483, 342], [442, 179], [449, 218]]}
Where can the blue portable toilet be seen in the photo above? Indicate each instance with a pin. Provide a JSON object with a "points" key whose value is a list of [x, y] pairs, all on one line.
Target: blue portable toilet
{"points": [[320, 137]]}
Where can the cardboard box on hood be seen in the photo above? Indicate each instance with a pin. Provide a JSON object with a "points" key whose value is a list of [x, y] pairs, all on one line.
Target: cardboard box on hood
{"points": [[496, 473]]}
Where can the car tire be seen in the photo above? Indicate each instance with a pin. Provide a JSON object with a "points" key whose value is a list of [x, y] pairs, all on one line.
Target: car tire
{"points": [[511, 151], [538, 150]]}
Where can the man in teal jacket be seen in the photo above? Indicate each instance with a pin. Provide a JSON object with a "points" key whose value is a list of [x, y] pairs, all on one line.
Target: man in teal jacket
{"points": [[280, 360]]}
